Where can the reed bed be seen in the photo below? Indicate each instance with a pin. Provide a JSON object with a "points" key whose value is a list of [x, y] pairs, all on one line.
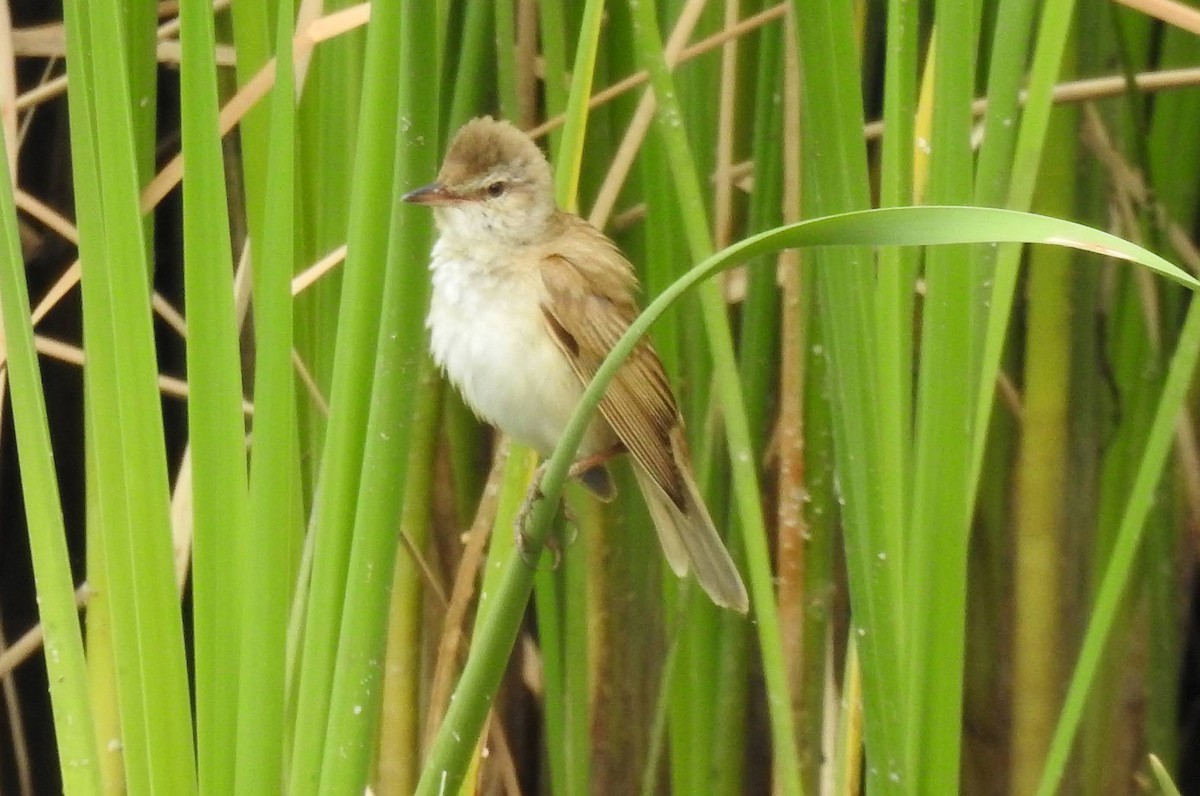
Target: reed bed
{"points": [[920, 273]]}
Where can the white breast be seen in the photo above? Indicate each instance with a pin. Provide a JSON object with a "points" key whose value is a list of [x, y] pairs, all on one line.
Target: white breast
{"points": [[488, 335]]}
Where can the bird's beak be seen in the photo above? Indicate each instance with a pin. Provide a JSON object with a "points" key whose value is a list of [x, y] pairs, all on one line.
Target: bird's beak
{"points": [[435, 193]]}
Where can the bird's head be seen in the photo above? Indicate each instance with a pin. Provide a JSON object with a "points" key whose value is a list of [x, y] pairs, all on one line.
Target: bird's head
{"points": [[494, 182]]}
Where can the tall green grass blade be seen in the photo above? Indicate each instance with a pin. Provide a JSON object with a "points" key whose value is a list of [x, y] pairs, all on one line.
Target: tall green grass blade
{"points": [[653, 768], [1174, 172], [549, 598], [65, 665], [506, 62], [472, 87], [1006, 75], [572, 636], [1137, 371], [1129, 536], [936, 557], [273, 465], [1040, 506], [122, 406], [327, 119], [471, 80], [569, 155], [1008, 166], [895, 294], [552, 22], [1136, 324], [562, 596], [835, 181], [742, 456], [759, 369], [399, 745], [1171, 167], [252, 40], [501, 614], [1053, 28], [336, 494], [216, 423], [400, 351], [692, 695], [821, 518], [758, 340], [100, 644], [140, 23]]}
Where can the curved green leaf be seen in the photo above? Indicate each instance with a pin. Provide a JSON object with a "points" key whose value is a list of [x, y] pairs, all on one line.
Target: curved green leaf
{"points": [[899, 226]]}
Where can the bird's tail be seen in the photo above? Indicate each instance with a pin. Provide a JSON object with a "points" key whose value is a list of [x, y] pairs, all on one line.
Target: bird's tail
{"points": [[689, 539]]}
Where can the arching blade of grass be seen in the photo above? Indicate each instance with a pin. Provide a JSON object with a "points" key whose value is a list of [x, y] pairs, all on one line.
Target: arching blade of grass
{"points": [[905, 226]]}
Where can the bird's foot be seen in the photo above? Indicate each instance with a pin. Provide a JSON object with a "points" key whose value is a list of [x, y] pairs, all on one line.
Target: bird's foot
{"points": [[532, 496], [553, 543]]}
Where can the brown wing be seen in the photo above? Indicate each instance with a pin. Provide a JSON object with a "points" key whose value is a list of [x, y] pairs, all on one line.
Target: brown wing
{"points": [[588, 306]]}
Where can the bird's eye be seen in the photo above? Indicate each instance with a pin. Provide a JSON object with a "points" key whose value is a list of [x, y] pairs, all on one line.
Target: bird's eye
{"points": [[496, 188]]}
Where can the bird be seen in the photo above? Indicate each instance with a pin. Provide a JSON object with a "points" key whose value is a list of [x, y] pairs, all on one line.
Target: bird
{"points": [[526, 302]]}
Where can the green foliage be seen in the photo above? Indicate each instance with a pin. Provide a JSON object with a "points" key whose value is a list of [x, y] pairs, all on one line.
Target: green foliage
{"points": [[839, 383]]}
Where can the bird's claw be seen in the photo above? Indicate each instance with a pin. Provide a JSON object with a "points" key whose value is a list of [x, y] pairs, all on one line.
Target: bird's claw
{"points": [[521, 520]]}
